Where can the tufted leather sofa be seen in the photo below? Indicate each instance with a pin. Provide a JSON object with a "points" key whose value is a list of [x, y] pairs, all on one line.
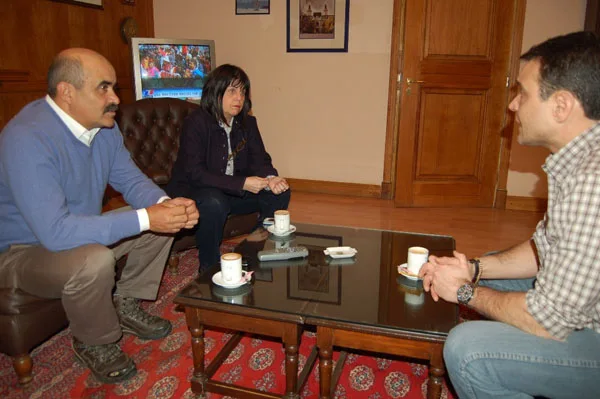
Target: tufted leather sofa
{"points": [[151, 129]]}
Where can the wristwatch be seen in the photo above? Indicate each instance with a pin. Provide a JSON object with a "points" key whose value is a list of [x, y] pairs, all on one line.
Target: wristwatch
{"points": [[465, 293]]}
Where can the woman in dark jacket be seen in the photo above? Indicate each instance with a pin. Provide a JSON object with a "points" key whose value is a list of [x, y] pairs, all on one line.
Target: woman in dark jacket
{"points": [[222, 162]]}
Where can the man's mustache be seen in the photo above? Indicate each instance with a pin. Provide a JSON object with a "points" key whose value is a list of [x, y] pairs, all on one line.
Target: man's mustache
{"points": [[111, 108]]}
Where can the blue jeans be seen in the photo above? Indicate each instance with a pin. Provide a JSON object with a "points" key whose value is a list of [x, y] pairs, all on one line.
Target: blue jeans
{"points": [[490, 359]]}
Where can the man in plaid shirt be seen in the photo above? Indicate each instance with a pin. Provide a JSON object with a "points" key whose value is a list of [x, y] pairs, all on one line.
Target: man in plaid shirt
{"points": [[542, 296]]}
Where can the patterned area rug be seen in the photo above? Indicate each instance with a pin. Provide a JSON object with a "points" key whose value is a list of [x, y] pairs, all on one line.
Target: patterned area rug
{"points": [[165, 366]]}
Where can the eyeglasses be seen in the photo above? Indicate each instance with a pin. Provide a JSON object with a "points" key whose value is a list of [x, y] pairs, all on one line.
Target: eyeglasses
{"points": [[237, 149]]}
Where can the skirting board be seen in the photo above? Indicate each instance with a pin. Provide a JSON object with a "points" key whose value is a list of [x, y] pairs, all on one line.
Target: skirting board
{"points": [[335, 188], [532, 204]]}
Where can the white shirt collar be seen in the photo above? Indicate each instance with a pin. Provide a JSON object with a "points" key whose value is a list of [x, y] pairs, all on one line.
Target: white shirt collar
{"points": [[80, 132], [223, 125]]}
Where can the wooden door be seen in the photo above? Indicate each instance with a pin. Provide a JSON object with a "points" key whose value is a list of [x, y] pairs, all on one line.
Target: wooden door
{"points": [[453, 101]]}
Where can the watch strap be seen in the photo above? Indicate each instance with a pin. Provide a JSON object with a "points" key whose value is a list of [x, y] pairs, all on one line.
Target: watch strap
{"points": [[478, 270]]}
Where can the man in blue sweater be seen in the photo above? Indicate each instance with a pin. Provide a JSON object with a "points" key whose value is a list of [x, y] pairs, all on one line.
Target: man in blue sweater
{"points": [[56, 158]]}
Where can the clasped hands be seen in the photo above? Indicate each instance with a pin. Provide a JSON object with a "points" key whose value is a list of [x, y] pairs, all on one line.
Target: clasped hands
{"points": [[172, 215], [443, 276], [276, 184]]}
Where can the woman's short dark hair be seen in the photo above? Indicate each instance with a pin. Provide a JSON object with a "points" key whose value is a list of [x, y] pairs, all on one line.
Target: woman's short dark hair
{"points": [[217, 81], [570, 62]]}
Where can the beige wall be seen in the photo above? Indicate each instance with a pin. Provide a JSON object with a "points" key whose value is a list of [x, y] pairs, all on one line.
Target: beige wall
{"points": [[322, 115], [543, 19]]}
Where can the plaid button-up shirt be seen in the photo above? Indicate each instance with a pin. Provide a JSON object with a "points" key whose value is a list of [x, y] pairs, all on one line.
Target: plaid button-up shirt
{"points": [[566, 296]]}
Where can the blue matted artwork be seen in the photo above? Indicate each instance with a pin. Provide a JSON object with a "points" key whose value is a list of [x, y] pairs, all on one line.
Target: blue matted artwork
{"points": [[252, 7]]}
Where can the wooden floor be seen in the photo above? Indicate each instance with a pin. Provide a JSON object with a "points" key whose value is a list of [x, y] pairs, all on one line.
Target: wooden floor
{"points": [[476, 230]]}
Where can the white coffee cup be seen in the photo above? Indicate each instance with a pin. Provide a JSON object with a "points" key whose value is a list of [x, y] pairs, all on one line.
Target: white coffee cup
{"points": [[231, 267], [282, 221], [417, 257]]}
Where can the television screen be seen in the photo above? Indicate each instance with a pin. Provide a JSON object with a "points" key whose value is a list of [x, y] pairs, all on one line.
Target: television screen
{"points": [[171, 67]]}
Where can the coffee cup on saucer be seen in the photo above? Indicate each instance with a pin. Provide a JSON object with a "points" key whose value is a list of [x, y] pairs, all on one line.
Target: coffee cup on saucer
{"points": [[282, 221], [417, 257], [231, 268]]}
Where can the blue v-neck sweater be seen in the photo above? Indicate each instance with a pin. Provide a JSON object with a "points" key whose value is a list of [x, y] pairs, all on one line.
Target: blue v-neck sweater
{"points": [[52, 185]]}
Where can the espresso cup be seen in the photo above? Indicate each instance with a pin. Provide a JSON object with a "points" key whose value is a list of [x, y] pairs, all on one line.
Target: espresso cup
{"points": [[231, 268], [417, 257], [282, 221]]}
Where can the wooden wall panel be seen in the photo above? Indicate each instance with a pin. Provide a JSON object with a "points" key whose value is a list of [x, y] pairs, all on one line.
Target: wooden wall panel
{"points": [[32, 32]]}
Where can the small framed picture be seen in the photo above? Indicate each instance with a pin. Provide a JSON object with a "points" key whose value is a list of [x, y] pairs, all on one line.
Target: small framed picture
{"points": [[317, 25], [252, 7]]}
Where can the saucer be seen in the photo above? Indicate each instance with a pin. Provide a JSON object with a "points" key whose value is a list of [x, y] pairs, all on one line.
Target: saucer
{"points": [[404, 271], [268, 222], [218, 280], [340, 252], [271, 229]]}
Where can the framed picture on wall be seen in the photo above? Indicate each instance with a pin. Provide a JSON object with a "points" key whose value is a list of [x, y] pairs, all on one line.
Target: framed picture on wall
{"points": [[252, 7], [86, 3], [317, 25]]}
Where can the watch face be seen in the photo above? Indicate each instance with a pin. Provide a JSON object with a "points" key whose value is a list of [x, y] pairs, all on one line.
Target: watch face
{"points": [[465, 293]]}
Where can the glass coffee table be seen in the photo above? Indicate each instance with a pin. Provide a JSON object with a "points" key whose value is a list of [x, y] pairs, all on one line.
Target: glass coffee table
{"points": [[360, 302]]}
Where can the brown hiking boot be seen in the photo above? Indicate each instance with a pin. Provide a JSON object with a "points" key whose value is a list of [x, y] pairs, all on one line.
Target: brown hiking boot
{"points": [[107, 362], [135, 320]]}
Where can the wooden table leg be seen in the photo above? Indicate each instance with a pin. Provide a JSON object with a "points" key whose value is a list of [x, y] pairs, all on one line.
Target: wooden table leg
{"points": [[197, 332], [325, 345], [291, 342], [436, 374]]}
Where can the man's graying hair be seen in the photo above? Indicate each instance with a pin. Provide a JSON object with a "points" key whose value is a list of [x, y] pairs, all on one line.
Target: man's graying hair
{"points": [[65, 69], [570, 62]]}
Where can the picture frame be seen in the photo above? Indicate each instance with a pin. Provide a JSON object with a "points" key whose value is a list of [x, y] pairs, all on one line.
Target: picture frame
{"points": [[252, 7], [86, 3], [316, 280], [317, 25]]}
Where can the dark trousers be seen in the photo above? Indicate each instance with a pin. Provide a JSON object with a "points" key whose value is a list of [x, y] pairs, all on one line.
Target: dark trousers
{"points": [[215, 206]]}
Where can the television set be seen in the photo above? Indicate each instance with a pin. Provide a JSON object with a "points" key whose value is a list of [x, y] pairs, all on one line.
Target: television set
{"points": [[171, 67]]}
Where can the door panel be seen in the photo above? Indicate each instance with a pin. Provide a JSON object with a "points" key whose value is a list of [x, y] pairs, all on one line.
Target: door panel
{"points": [[453, 154], [454, 94], [469, 37]]}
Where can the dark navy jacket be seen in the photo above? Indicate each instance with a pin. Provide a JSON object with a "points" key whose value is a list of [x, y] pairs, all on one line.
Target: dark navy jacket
{"points": [[203, 153]]}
